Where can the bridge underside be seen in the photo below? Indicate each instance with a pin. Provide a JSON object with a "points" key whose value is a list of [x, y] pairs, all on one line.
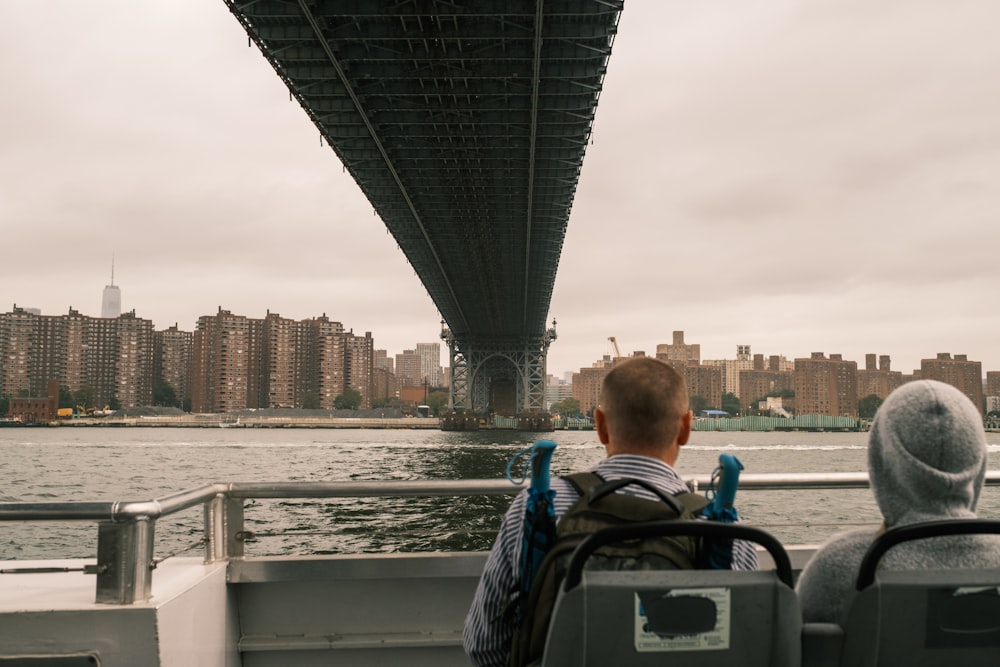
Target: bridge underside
{"points": [[466, 127]]}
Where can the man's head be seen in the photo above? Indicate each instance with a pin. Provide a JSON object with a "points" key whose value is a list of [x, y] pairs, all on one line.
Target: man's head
{"points": [[644, 409]]}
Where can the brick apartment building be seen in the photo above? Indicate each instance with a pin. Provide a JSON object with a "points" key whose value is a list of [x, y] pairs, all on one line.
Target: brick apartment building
{"points": [[993, 383], [240, 362], [965, 375], [587, 383], [826, 386], [409, 369], [111, 358], [229, 363], [879, 380], [679, 351], [702, 380], [358, 368], [322, 362], [223, 358], [731, 369], [172, 360], [763, 380]]}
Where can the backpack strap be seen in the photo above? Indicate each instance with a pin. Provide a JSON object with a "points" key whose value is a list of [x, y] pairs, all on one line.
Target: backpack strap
{"points": [[692, 502], [582, 482], [591, 483]]}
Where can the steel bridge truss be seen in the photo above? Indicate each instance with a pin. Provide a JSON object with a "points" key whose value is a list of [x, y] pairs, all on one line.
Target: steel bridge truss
{"points": [[465, 125]]}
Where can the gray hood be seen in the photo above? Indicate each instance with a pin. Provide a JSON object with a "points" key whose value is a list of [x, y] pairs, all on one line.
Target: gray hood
{"points": [[926, 454]]}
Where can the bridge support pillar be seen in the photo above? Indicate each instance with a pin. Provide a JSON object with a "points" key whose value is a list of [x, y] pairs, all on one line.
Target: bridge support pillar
{"points": [[498, 375]]}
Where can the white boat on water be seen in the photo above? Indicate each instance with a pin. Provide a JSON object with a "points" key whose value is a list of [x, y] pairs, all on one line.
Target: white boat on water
{"points": [[126, 607]]}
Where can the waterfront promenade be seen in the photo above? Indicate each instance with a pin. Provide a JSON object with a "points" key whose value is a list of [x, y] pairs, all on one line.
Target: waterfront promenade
{"points": [[226, 421], [816, 423]]}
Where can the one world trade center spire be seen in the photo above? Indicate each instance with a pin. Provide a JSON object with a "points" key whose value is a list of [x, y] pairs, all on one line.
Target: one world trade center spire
{"points": [[111, 300]]}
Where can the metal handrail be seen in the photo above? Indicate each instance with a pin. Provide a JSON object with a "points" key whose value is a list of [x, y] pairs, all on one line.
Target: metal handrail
{"points": [[125, 528], [127, 510]]}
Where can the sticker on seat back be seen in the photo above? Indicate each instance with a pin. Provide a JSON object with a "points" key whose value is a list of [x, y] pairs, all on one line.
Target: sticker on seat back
{"points": [[682, 619]]}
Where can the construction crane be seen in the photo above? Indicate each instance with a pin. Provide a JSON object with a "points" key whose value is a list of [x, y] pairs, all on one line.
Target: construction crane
{"points": [[614, 346]]}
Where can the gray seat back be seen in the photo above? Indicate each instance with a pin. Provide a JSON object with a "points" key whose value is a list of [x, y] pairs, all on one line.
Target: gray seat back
{"points": [[920, 618], [675, 617], [925, 617]]}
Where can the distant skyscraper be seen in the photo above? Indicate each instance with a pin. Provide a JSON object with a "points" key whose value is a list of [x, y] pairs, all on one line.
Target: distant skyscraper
{"points": [[430, 363], [111, 301]]}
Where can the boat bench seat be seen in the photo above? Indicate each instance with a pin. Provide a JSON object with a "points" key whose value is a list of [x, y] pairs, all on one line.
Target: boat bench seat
{"points": [[373, 609], [675, 617], [915, 618]]}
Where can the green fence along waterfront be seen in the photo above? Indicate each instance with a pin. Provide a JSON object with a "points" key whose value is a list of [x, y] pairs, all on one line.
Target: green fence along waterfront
{"points": [[798, 423]]}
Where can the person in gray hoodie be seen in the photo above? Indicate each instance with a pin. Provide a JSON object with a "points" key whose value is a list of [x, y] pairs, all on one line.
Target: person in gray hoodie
{"points": [[927, 462]]}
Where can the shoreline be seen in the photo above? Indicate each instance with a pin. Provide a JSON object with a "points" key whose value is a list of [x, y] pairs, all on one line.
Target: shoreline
{"points": [[224, 421]]}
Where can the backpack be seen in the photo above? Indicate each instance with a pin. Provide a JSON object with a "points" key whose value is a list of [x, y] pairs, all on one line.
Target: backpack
{"points": [[600, 507]]}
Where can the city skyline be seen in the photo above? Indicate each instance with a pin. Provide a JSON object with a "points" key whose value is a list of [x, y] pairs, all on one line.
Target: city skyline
{"points": [[739, 350], [231, 362], [796, 178]]}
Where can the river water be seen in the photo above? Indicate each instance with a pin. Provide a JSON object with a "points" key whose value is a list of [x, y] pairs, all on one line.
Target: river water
{"points": [[104, 464]]}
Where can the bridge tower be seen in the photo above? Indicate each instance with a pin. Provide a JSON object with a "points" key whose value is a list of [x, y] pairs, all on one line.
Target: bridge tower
{"points": [[481, 366]]}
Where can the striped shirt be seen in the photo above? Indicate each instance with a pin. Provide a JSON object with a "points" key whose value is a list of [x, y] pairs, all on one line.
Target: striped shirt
{"points": [[488, 629]]}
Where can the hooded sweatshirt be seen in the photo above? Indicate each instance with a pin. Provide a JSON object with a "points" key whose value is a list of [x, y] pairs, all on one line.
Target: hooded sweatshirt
{"points": [[926, 462]]}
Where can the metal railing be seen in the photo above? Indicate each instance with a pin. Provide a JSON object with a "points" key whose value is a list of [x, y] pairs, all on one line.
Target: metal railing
{"points": [[126, 529]]}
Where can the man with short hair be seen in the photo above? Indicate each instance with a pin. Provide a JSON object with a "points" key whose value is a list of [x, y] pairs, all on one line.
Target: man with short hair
{"points": [[643, 421]]}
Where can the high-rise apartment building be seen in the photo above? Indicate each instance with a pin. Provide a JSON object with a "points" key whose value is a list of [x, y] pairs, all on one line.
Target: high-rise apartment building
{"points": [[383, 385], [826, 386], [172, 360], [240, 363], [103, 354], [77, 371], [587, 384], [556, 390], [383, 361], [133, 376], [281, 345], [879, 380], [731, 369], [763, 381], [409, 369], [430, 363], [678, 351], [959, 372], [222, 362], [703, 381], [17, 342], [358, 368], [322, 374], [993, 383], [111, 359]]}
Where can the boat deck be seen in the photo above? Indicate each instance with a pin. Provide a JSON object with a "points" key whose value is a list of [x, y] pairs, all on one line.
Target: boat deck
{"points": [[227, 609]]}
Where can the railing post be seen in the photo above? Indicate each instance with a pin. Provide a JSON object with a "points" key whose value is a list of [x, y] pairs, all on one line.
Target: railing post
{"points": [[125, 560], [223, 528], [234, 527], [215, 529]]}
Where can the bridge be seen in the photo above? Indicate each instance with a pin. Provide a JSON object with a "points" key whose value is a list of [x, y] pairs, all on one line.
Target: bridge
{"points": [[465, 125]]}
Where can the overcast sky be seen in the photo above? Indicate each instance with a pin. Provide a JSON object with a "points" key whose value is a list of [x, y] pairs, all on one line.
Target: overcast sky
{"points": [[820, 175]]}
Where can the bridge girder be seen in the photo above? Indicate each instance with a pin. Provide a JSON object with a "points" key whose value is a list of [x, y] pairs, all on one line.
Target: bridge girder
{"points": [[466, 127]]}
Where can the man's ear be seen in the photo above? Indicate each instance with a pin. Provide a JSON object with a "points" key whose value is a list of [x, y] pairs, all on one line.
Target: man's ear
{"points": [[601, 425], [684, 433]]}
